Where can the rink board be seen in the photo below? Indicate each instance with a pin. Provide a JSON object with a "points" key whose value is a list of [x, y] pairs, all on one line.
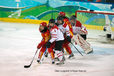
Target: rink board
{"points": [[30, 21]]}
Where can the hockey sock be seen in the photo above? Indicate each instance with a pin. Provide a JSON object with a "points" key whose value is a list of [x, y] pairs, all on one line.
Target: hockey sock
{"points": [[52, 55], [40, 54], [59, 54], [68, 50]]}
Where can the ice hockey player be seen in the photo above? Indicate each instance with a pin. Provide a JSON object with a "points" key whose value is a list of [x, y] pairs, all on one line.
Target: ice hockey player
{"points": [[45, 33], [78, 27], [62, 14], [58, 38], [79, 36], [66, 20], [65, 30]]}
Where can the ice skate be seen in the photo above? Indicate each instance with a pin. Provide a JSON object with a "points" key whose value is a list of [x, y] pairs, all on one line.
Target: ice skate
{"points": [[53, 61], [60, 63], [38, 61], [46, 55], [70, 56], [56, 59]]}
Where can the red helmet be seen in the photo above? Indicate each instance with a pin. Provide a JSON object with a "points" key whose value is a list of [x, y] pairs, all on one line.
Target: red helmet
{"points": [[44, 24], [62, 13]]}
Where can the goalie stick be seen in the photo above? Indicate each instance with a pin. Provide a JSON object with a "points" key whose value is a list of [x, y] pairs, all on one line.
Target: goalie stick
{"points": [[76, 48]]}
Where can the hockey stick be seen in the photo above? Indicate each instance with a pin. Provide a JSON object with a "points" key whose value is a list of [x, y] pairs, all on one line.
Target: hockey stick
{"points": [[27, 66], [76, 49]]}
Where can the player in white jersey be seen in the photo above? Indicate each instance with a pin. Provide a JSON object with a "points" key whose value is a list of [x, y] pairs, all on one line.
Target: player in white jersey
{"points": [[77, 27], [80, 33], [58, 38], [67, 35]]}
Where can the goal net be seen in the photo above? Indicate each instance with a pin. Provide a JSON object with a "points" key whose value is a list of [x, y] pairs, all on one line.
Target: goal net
{"points": [[99, 24]]}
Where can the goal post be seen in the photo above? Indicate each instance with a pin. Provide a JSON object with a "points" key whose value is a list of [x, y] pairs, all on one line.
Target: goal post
{"points": [[94, 18]]}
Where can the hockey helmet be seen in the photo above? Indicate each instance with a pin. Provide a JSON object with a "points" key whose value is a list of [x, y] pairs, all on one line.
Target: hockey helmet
{"points": [[41, 29], [60, 18], [44, 24], [52, 21], [62, 13]]}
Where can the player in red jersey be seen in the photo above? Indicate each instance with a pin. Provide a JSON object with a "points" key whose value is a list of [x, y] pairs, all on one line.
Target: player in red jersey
{"points": [[45, 33]]}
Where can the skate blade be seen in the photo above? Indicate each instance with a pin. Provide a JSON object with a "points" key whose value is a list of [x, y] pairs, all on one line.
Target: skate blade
{"points": [[60, 63]]}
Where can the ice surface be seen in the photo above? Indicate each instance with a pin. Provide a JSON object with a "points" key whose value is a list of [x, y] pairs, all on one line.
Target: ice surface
{"points": [[18, 44]]}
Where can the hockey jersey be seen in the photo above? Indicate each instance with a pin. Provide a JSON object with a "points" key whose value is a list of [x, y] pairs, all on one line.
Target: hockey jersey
{"points": [[66, 20], [79, 28], [45, 37], [64, 29], [56, 34]]}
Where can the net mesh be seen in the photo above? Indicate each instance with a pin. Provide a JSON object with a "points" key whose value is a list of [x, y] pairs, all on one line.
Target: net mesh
{"points": [[95, 23]]}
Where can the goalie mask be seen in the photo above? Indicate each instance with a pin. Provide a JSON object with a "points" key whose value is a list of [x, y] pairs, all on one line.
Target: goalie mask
{"points": [[73, 20]]}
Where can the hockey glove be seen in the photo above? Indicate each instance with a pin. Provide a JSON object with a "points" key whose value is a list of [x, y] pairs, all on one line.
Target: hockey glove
{"points": [[48, 44], [39, 46], [68, 38]]}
